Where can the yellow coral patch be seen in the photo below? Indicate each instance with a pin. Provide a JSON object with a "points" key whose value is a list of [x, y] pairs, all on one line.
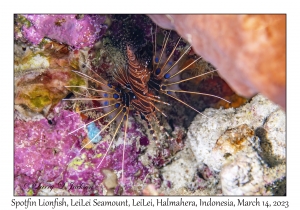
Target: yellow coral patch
{"points": [[77, 161], [30, 192], [36, 97], [98, 155]]}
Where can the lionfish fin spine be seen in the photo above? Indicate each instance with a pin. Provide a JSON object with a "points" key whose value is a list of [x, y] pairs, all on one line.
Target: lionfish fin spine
{"points": [[99, 107], [124, 143], [92, 121], [166, 38], [113, 136], [174, 64], [183, 103], [184, 80], [171, 54], [104, 91], [185, 68], [198, 93]]}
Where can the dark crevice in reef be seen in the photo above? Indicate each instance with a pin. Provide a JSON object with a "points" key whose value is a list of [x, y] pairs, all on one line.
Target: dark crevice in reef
{"points": [[278, 188], [267, 150]]}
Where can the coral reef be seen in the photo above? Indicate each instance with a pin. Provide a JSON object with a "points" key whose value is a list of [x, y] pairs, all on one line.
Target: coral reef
{"points": [[47, 155], [243, 176], [180, 172], [55, 151], [41, 74], [74, 30]]}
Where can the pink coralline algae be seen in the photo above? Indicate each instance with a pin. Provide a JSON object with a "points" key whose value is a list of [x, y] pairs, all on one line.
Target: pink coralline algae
{"points": [[42, 151], [73, 30], [46, 155]]}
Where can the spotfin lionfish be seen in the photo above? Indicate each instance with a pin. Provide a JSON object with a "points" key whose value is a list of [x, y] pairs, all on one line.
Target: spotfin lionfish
{"points": [[138, 87]]}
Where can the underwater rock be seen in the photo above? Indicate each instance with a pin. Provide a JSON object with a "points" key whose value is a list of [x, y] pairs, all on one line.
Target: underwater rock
{"points": [[181, 171], [49, 155], [40, 92], [42, 151], [226, 139], [110, 180], [41, 74], [243, 176], [275, 130], [74, 30], [234, 43]]}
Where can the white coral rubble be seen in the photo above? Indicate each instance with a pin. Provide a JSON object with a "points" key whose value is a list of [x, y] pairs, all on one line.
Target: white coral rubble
{"points": [[243, 146]]}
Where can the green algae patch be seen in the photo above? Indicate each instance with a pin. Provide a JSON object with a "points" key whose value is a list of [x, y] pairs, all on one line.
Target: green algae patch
{"points": [[36, 97], [40, 98], [44, 91], [29, 192], [76, 81], [98, 155], [22, 20], [76, 162]]}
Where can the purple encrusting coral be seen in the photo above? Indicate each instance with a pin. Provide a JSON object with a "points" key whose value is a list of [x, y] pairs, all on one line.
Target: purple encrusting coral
{"points": [[69, 29], [43, 151], [46, 156]]}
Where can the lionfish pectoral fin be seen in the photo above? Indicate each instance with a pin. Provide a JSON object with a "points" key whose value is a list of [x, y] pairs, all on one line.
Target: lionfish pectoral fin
{"points": [[167, 60], [185, 68], [166, 38], [184, 80], [198, 93], [92, 121], [179, 59], [164, 92]]}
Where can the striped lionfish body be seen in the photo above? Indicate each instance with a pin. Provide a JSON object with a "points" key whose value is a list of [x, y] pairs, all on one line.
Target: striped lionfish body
{"points": [[137, 87], [138, 76]]}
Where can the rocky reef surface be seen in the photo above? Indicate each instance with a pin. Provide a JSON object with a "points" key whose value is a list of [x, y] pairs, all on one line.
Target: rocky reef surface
{"points": [[48, 159], [77, 31], [244, 148]]}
